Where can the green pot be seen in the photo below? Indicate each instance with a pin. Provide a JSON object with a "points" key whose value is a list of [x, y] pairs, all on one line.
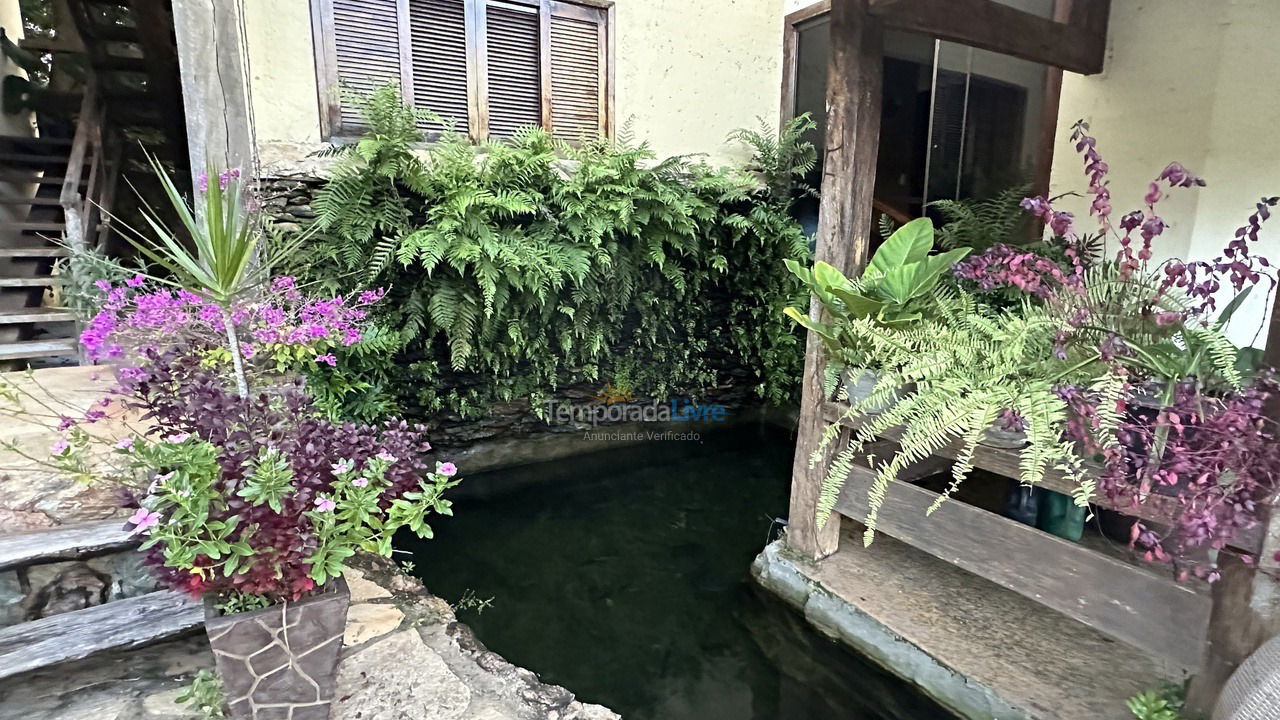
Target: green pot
{"points": [[1059, 515]]}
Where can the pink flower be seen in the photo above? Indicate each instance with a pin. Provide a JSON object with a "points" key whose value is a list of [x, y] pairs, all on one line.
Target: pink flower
{"points": [[447, 469], [125, 444], [158, 482], [328, 359], [360, 482], [60, 447], [342, 466], [177, 438], [143, 520], [386, 457], [136, 281], [324, 504]]}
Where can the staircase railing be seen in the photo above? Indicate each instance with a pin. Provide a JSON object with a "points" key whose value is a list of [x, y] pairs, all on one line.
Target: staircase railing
{"points": [[82, 209]]}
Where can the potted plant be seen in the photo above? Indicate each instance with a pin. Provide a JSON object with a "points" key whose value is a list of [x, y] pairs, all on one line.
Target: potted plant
{"points": [[893, 292], [246, 494], [1053, 344]]}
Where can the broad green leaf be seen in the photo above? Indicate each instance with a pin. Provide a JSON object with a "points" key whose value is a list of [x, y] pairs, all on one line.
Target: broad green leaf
{"points": [[858, 305], [911, 243]]}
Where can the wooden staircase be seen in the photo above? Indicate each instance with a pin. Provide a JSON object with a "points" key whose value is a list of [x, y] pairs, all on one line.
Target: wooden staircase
{"points": [[53, 193], [33, 174], [118, 624], [121, 94]]}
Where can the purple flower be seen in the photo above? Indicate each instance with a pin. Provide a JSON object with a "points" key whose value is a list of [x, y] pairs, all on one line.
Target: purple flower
{"points": [[324, 504], [360, 482], [177, 438], [125, 444], [328, 359], [202, 182], [386, 456], [136, 281], [60, 447], [447, 469], [143, 520]]}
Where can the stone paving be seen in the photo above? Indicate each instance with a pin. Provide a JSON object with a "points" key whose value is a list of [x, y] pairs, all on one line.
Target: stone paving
{"points": [[406, 657]]}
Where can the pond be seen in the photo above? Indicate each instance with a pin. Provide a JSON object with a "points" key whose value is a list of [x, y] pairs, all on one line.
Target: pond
{"points": [[623, 576]]}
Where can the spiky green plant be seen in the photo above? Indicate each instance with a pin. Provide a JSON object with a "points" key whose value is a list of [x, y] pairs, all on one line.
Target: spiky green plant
{"points": [[216, 251]]}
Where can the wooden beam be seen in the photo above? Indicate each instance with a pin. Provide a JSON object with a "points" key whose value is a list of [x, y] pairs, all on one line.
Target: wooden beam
{"points": [[1007, 30], [855, 79], [1141, 606]]}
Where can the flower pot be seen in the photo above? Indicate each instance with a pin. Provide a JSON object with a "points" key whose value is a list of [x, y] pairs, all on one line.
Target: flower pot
{"points": [[281, 661], [997, 437], [860, 382], [1059, 515]]}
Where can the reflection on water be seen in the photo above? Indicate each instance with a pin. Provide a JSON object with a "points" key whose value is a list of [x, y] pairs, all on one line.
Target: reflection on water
{"points": [[623, 577]]}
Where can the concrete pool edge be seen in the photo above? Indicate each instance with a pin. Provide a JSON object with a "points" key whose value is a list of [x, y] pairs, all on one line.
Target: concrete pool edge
{"points": [[783, 573]]}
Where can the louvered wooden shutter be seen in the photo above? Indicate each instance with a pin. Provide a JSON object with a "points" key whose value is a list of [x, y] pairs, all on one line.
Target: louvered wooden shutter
{"points": [[513, 67], [438, 38], [578, 57], [366, 39]]}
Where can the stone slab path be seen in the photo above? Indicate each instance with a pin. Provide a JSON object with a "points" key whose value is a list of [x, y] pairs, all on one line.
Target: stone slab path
{"points": [[406, 657]]}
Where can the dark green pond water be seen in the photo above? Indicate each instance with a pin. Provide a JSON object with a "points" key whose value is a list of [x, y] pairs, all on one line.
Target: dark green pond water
{"points": [[623, 576]]}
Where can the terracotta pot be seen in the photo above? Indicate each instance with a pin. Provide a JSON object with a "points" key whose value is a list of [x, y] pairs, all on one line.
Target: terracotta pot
{"points": [[281, 661]]}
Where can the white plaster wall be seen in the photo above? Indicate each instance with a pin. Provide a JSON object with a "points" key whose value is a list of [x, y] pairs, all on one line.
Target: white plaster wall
{"points": [[688, 73], [1194, 82]]}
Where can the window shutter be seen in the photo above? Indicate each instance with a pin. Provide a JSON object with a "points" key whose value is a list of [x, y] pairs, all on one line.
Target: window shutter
{"points": [[578, 60], [438, 38], [366, 40], [513, 54]]}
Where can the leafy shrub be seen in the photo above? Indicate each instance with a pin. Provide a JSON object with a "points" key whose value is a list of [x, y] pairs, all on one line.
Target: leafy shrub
{"points": [[205, 695], [516, 267]]}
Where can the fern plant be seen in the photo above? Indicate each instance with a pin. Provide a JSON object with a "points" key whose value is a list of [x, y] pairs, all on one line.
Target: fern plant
{"points": [[516, 267], [972, 367]]}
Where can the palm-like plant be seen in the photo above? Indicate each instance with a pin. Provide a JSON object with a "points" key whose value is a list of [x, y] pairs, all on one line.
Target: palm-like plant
{"points": [[217, 252]]}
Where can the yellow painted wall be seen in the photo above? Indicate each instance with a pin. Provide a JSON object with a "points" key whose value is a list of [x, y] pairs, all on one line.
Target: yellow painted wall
{"points": [[1194, 82], [688, 72]]}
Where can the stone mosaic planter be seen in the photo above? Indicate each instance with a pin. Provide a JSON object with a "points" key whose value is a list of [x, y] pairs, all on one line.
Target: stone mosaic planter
{"points": [[281, 661]]}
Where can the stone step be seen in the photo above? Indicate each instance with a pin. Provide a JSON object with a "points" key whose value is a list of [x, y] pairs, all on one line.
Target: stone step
{"points": [[38, 348], [55, 227], [32, 315], [34, 252], [24, 200], [27, 176], [69, 542], [45, 281], [117, 625]]}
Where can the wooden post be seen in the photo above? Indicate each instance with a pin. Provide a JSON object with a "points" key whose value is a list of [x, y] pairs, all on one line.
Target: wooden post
{"points": [[215, 87], [855, 78], [1246, 600]]}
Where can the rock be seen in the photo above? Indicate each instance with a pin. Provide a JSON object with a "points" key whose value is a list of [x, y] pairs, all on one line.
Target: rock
{"points": [[165, 703], [76, 587], [365, 622], [11, 597], [363, 590], [288, 228], [399, 678]]}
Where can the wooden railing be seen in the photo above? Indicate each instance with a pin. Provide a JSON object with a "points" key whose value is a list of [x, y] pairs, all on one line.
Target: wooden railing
{"points": [[89, 181]]}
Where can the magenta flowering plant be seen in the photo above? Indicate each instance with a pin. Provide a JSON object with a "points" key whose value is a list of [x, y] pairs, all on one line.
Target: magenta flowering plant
{"points": [[280, 329], [1143, 326]]}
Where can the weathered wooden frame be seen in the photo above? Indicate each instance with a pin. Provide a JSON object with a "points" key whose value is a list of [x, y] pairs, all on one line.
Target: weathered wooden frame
{"points": [[322, 34], [1244, 611], [1052, 92]]}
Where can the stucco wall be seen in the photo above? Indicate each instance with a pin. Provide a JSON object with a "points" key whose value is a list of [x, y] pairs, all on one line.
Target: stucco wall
{"points": [[1194, 82], [688, 72]]}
